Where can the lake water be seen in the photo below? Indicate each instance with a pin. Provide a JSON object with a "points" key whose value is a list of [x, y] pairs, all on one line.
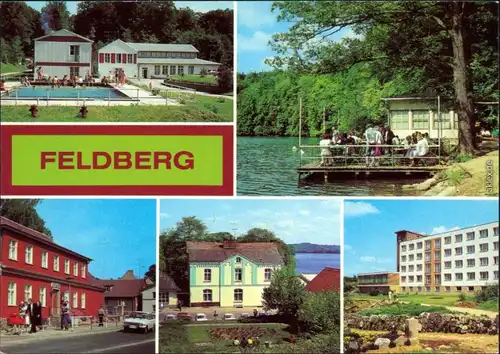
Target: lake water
{"points": [[267, 166], [315, 262]]}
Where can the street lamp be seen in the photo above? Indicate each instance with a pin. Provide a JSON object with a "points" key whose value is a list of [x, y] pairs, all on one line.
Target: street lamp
{"points": [[69, 300]]}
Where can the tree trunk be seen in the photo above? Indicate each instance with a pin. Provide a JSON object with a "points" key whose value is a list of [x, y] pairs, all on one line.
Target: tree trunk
{"points": [[462, 84]]}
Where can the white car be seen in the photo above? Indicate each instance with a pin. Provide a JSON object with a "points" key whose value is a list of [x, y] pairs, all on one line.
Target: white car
{"points": [[170, 316], [139, 321], [201, 317], [229, 317]]}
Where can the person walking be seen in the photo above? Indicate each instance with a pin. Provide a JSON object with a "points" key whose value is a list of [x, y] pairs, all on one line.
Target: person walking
{"points": [[100, 316], [31, 315], [37, 311]]}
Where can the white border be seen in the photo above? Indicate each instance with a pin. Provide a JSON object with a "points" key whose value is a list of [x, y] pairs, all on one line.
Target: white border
{"points": [[157, 279], [342, 249], [235, 95], [150, 124]]}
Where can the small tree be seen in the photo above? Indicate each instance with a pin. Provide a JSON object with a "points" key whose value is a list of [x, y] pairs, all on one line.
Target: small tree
{"points": [[203, 72], [225, 80]]}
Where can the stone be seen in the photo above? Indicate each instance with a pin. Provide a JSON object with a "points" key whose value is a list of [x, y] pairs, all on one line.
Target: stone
{"points": [[382, 343], [412, 341], [448, 192], [412, 327], [400, 341], [353, 344], [425, 185]]}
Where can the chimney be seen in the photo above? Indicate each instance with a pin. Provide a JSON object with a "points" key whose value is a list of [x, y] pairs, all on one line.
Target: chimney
{"points": [[229, 244]]}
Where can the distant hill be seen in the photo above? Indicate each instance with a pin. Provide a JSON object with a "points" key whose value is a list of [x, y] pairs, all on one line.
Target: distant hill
{"points": [[312, 248]]}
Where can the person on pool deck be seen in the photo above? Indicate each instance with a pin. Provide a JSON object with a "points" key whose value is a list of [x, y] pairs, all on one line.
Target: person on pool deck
{"points": [[39, 73]]}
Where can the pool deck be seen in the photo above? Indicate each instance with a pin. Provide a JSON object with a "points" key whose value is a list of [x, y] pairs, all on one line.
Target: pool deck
{"points": [[138, 95]]}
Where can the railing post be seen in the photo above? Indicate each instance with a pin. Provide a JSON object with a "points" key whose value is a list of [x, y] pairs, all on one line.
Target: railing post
{"points": [[109, 98], [47, 98], [16, 97]]}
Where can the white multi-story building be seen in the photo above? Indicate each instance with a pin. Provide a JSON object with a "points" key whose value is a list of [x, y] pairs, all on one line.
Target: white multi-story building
{"points": [[454, 261], [63, 53], [151, 60]]}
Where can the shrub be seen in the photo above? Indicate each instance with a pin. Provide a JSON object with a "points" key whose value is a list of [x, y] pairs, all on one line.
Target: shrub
{"points": [[320, 312], [374, 293], [462, 158], [488, 293], [182, 100], [221, 99], [212, 108], [462, 297], [203, 72]]}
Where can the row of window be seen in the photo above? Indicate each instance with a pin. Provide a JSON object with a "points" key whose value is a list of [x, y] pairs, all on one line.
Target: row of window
{"points": [[470, 236], [29, 254], [119, 58], [399, 120], [42, 296], [237, 295], [448, 277], [471, 262], [237, 275], [174, 70], [437, 288], [483, 247], [162, 297], [172, 55]]}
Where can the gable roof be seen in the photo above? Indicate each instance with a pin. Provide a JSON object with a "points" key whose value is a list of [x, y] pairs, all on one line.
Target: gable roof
{"points": [[120, 287], [167, 283], [258, 252], [63, 33], [116, 41], [327, 279], [159, 47]]}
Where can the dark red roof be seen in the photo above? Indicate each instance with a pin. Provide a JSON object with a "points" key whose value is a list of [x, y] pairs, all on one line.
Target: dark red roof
{"points": [[121, 287], [327, 279], [258, 252], [167, 283]]}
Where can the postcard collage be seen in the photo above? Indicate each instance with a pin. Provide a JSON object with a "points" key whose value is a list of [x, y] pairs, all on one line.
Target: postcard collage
{"points": [[249, 177]]}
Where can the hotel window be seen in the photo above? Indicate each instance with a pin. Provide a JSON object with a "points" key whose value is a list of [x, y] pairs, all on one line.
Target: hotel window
{"points": [[75, 269], [495, 231], [447, 240], [437, 243], [238, 274], [107, 58], [411, 247], [83, 300], [28, 292], [471, 263], [470, 288], [207, 275], [403, 279], [470, 236], [470, 249], [483, 262], [427, 268], [399, 120], [483, 233], [427, 256], [411, 268], [66, 296], [164, 70], [56, 263], [458, 251], [427, 288], [207, 295], [157, 70], [13, 250], [495, 274], [483, 275], [458, 238], [403, 269], [75, 300], [495, 260], [45, 259], [437, 255], [66, 266], [427, 245], [447, 288], [459, 264], [12, 294], [403, 258], [471, 276], [28, 256], [180, 69], [419, 256], [459, 288], [447, 252], [419, 267], [447, 265], [459, 276], [118, 58], [267, 274], [172, 69], [403, 248], [437, 268], [437, 289], [411, 257], [238, 295], [419, 245], [483, 247], [191, 69], [43, 296], [421, 119], [419, 278], [495, 246], [447, 277], [411, 278], [238, 259], [130, 58]]}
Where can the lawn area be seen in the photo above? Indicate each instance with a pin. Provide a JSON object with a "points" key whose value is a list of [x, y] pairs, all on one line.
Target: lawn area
{"points": [[133, 113], [11, 68], [410, 309], [429, 299], [210, 79], [491, 305], [220, 106]]}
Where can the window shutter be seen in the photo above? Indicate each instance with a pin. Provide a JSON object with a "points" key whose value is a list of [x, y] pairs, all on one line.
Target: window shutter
{"points": [[101, 57], [124, 58], [112, 58], [135, 58]]}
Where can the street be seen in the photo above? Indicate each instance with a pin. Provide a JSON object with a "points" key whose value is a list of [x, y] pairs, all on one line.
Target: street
{"points": [[113, 342]]}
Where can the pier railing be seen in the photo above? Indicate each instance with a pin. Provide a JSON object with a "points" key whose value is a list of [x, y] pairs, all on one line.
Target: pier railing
{"points": [[362, 154]]}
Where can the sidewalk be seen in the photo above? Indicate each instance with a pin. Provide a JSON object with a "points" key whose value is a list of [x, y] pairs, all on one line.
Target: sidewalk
{"points": [[51, 332]]}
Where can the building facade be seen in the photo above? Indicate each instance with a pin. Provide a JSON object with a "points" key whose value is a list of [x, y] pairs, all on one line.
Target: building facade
{"points": [[63, 53], [33, 266], [463, 260], [380, 282], [168, 291], [151, 60], [230, 274]]}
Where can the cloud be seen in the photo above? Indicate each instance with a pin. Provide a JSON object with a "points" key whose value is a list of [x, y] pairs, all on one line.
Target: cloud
{"points": [[257, 42], [355, 209], [441, 229], [255, 15], [347, 247], [165, 215], [371, 259]]}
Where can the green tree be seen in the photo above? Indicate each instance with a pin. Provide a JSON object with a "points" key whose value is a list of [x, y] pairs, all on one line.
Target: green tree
{"points": [[23, 211], [151, 273], [55, 16], [320, 312]]}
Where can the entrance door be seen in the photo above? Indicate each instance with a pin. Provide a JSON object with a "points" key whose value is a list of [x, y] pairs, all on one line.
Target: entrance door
{"points": [[144, 73], [56, 302]]}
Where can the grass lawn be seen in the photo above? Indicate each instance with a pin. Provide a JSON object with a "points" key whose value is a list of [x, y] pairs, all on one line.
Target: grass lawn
{"points": [[11, 68], [429, 299], [143, 113], [197, 334], [411, 309], [221, 106], [491, 305], [211, 79]]}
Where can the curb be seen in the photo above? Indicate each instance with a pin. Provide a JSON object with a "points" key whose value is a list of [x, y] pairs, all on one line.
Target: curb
{"points": [[24, 339]]}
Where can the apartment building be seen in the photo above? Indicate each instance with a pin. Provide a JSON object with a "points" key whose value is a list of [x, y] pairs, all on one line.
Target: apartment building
{"points": [[455, 261]]}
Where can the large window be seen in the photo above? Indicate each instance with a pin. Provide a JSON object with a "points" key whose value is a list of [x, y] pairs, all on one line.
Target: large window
{"points": [[13, 250], [399, 120], [172, 70], [43, 296], [75, 300], [191, 69], [56, 263], [12, 294], [74, 71], [84, 271], [180, 69], [238, 295], [75, 269], [107, 58], [66, 266], [207, 295], [163, 298], [445, 121], [28, 292], [83, 300], [130, 58], [267, 274], [420, 119], [164, 69], [28, 255], [207, 275], [157, 69], [45, 259], [238, 274]]}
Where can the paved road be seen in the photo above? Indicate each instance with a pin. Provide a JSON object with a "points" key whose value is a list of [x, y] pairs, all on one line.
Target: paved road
{"points": [[113, 342]]}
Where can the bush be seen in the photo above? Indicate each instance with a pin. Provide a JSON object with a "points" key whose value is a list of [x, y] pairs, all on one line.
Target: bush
{"points": [[203, 72], [212, 108], [182, 100], [486, 294], [399, 309], [320, 312], [374, 293], [462, 158], [221, 99], [462, 297]]}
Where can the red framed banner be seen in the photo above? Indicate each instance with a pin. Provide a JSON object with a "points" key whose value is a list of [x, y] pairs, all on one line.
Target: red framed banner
{"points": [[156, 160]]}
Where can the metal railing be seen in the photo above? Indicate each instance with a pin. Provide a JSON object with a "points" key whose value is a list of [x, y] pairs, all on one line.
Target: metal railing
{"points": [[362, 154]]}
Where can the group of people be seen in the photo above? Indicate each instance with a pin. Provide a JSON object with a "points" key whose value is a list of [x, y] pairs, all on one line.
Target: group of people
{"points": [[375, 140], [120, 76], [31, 312], [67, 80], [247, 342]]}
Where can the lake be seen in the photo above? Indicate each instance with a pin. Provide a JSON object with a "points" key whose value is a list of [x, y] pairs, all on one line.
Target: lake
{"points": [[267, 166], [315, 262]]}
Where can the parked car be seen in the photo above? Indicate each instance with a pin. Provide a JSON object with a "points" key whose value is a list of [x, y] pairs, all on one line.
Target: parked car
{"points": [[184, 316], [229, 317], [139, 321], [245, 315], [201, 317], [170, 316]]}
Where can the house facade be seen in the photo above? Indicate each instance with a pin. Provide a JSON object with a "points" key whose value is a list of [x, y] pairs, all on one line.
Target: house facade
{"points": [[33, 266], [420, 114], [383, 282], [230, 274], [168, 291], [151, 60], [63, 53]]}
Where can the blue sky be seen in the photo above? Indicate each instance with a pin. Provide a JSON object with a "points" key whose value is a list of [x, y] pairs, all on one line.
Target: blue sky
{"points": [[370, 226], [293, 220], [199, 6], [118, 234], [256, 26]]}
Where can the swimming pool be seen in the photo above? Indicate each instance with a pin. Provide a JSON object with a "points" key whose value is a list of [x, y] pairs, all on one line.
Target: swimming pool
{"points": [[44, 92]]}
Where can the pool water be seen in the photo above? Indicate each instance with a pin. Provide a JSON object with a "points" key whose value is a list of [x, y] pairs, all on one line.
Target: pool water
{"points": [[99, 93]]}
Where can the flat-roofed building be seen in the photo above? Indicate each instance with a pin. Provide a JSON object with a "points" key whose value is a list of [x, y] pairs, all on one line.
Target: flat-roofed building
{"points": [[378, 281]]}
